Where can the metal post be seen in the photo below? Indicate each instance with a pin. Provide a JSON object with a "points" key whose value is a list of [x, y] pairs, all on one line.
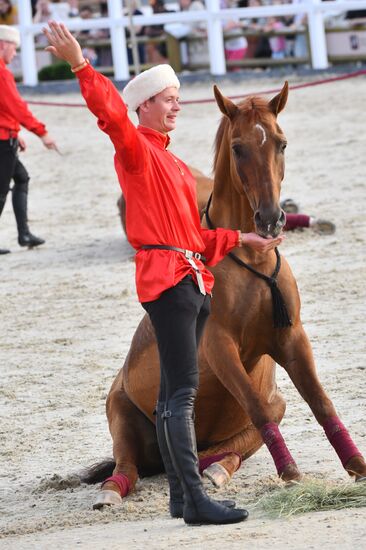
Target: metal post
{"points": [[118, 41], [318, 45], [28, 52], [215, 39]]}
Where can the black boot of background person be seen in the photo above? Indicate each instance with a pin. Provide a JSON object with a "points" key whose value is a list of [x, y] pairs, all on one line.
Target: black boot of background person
{"points": [[176, 500], [2, 204], [181, 440], [20, 204]]}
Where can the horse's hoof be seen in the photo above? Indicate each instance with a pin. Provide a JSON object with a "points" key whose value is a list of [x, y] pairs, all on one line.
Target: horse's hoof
{"points": [[107, 498], [217, 475], [291, 475], [289, 206], [323, 227], [361, 479]]}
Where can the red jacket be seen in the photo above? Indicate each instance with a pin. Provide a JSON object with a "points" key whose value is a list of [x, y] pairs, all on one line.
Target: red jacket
{"points": [[160, 193], [13, 109]]}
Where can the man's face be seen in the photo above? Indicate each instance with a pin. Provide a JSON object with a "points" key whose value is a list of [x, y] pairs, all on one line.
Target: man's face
{"points": [[160, 112], [8, 51]]}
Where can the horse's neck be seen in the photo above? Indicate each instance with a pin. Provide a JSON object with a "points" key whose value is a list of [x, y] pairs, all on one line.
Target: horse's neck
{"points": [[230, 209]]}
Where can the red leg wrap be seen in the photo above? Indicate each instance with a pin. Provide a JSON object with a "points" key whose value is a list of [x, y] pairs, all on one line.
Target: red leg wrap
{"points": [[277, 447], [340, 439], [122, 483], [208, 460], [296, 220]]}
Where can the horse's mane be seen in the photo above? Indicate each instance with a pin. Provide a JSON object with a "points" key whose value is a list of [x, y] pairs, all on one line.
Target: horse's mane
{"points": [[254, 108]]}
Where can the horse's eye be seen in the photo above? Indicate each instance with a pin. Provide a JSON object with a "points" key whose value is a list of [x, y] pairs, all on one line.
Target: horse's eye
{"points": [[283, 146], [237, 149]]}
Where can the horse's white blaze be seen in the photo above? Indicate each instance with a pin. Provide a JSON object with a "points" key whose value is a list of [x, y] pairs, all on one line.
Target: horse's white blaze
{"points": [[264, 136]]}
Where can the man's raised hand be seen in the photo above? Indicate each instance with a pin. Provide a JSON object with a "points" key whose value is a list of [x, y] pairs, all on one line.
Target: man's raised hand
{"points": [[62, 44]]}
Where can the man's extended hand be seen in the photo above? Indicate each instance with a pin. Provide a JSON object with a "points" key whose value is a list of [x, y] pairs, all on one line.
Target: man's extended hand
{"points": [[22, 144], [49, 142], [259, 244], [62, 44]]}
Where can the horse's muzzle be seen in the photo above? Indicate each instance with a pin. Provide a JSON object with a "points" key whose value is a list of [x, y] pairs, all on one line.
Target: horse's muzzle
{"points": [[269, 225]]}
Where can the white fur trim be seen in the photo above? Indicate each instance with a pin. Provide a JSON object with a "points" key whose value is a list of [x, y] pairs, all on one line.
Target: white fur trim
{"points": [[10, 34], [149, 83]]}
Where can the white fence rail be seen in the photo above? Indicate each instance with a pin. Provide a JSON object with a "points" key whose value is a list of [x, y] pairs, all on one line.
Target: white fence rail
{"points": [[315, 10]]}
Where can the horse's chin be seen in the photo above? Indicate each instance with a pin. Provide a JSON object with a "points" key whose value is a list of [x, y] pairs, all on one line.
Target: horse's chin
{"points": [[272, 234]]}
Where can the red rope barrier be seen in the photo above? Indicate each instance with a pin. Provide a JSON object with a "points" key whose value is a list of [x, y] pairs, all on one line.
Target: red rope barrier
{"points": [[212, 100]]}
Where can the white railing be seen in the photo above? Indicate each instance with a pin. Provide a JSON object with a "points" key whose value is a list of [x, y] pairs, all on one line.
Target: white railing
{"points": [[116, 23]]}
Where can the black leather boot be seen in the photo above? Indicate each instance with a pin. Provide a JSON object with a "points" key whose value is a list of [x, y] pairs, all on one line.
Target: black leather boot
{"points": [[2, 204], [175, 487], [181, 441], [176, 500], [20, 203]]}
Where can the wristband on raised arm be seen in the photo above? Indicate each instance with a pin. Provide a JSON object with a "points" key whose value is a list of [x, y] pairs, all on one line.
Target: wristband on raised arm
{"points": [[80, 66]]}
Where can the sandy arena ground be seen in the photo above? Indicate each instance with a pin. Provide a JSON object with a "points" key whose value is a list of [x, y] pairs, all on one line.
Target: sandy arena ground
{"points": [[69, 310]]}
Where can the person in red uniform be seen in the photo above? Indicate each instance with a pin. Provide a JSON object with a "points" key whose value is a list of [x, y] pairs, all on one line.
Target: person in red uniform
{"points": [[13, 113], [173, 284]]}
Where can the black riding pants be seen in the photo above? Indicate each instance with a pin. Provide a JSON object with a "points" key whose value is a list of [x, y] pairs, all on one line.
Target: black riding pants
{"points": [[11, 168], [178, 317]]}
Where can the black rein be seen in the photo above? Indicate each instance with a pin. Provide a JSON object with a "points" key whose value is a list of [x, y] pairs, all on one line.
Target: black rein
{"points": [[281, 318]]}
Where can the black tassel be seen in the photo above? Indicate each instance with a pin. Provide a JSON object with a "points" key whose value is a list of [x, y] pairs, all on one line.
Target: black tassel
{"points": [[281, 318]]}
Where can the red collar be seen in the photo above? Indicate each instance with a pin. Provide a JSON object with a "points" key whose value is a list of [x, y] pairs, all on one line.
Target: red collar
{"points": [[2, 64], [157, 138]]}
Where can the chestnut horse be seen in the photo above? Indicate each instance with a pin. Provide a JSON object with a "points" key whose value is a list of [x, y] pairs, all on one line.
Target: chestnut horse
{"points": [[240, 344]]}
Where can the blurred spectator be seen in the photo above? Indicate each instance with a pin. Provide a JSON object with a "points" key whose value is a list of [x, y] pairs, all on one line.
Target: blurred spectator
{"points": [[60, 10], [90, 52], [277, 44], [356, 18], [8, 13], [47, 10], [103, 9], [139, 31], [300, 23], [33, 4], [236, 47], [258, 46], [156, 53], [43, 12], [197, 50], [42, 15], [73, 8]]}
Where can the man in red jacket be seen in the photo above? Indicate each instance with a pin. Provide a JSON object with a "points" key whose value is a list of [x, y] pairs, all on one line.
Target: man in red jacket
{"points": [[173, 284], [13, 113]]}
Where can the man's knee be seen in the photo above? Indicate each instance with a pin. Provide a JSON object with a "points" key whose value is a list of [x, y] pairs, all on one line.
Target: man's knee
{"points": [[21, 184]]}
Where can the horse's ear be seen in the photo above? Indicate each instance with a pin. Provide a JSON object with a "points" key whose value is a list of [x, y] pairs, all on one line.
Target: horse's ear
{"points": [[226, 106], [277, 104]]}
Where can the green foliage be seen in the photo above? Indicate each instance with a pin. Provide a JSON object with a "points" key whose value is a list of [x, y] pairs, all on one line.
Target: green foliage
{"points": [[58, 71], [312, 496]]}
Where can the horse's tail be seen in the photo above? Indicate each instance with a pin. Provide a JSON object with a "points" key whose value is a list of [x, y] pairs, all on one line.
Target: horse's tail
{"points": [[97, 473]]}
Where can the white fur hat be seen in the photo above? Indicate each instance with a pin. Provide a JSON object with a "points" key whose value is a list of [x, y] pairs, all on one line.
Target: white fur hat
{"points": [[149, 83], [10, 34]]}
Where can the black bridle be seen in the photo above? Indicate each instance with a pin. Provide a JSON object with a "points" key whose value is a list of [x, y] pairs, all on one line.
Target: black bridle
{"points": [[281, 318]]}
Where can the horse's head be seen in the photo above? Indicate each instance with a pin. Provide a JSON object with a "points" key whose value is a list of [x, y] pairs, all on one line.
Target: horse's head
{"points": [[256, 150]]}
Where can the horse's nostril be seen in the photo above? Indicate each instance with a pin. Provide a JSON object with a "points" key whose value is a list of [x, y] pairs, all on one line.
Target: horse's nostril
{"points": [[257, 217], [282, 218]]}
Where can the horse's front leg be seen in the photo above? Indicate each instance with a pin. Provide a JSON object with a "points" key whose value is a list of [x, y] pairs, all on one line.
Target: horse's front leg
{"points": [[296, 356], [224, 360]]}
